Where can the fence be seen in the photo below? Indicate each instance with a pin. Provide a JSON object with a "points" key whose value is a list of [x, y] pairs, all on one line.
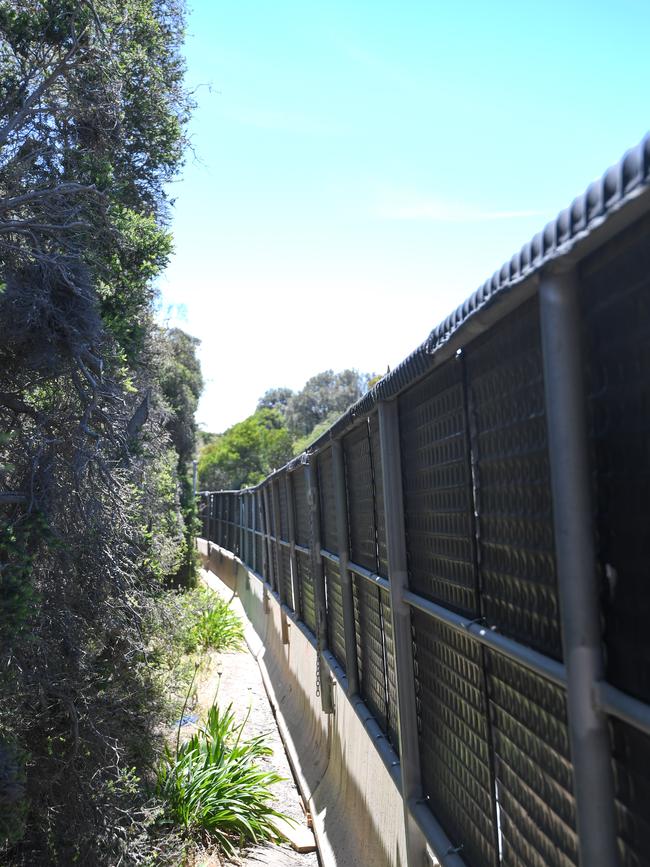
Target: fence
{"points": [[471, 544]]}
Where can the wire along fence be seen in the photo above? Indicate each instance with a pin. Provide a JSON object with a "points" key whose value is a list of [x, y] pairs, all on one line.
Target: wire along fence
{"points": [[470, 543]]}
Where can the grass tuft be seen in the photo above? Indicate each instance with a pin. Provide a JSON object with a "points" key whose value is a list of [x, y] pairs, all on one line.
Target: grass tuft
{"points": [[214, 624], [213, 784]]}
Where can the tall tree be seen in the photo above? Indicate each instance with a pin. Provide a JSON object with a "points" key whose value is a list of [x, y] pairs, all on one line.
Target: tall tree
{"points": [[92, 109], [322, 396]]}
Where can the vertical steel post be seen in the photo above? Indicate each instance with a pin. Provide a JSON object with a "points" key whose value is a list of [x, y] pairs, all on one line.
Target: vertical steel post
{"points": [[240, 503], [318, 576], [254, 532], [291, 513], [409, 750], [270, 575], [576, 567], [341, 501], [278, 533]]}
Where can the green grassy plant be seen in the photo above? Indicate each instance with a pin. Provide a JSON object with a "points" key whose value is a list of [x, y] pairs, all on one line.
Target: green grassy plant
{"points": [[214, 785], [215, 625]]}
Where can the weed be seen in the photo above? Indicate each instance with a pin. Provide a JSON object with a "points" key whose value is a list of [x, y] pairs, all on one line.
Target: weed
{"points": [[213, 784]]}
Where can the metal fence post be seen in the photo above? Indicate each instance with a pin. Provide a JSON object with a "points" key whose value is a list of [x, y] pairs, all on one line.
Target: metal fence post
{"points": [[409, 749], [295, 582], [270, 577], [576, 567], [276, 523], [318, 576], [341, 500]]}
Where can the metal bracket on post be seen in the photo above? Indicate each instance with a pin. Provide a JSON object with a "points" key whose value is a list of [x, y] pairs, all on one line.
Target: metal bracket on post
{"points": [[341, 501], [576, 567], [319, 582], [295, 582], [409, 750]]}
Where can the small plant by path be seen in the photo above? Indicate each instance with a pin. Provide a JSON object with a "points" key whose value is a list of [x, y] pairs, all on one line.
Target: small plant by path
{"points": [[213, 624], [213, 787]]}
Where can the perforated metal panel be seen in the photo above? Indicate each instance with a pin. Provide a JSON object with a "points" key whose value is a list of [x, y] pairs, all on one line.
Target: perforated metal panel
{"points": [[361, 503], [329, 539], [616, 308], [305, 579], [454, 745], [513, 488], [335, 628], [391, 673], [631, 763], [370, 650], [283, 507], [533, 767], [380, 517], [437, 490], [285, 575], [615, 299], [301, 506]]}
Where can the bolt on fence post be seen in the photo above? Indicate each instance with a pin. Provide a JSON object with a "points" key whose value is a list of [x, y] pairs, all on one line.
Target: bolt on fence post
{"points": [[318, 576], [576, 567], [295, 583], [341, 501], [409, 749]]}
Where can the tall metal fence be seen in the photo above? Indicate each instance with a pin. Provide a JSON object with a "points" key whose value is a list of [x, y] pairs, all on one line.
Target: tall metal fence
{"points": [[471, 543]]}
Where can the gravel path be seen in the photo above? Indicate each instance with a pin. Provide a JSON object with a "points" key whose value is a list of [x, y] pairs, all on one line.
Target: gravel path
{"points": [[240, 682]]}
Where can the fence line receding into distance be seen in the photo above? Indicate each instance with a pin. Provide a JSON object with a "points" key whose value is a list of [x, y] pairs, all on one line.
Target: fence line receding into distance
{"points": [[471, 545]]}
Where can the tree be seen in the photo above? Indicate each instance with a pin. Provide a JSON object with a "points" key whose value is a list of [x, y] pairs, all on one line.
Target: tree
{"points": [[246, 452], [276, 398], [323, 395], [92, 109]]}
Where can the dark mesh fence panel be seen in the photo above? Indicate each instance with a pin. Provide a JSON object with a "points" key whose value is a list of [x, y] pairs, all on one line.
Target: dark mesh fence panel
{"points": [[437, 490], [283, 507], [301, 506], [452, 719], [533, 767], [285, 572], [375, 452], [391, 674], [335, 629], [631, 762], [259, 563], [615, 300], [361, 504], [329, 538], [517, 554], [306, 582], [616, 309], [370, 652]]}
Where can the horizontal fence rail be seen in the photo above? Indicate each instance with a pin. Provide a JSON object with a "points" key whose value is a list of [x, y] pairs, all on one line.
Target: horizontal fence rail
{"points": [[470, 544]]}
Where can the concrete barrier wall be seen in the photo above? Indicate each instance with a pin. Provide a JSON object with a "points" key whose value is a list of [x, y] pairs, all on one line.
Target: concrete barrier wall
{"points": [[347, 772]]}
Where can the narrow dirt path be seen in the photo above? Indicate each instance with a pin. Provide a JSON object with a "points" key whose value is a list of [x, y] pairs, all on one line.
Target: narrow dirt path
{"points": [[235, 678]]}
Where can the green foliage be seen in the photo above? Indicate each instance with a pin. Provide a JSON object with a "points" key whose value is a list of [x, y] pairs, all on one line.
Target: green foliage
{"points": [[213, 784], [246, 452], [217, 626], [301, 444], [213, 623], [325, 394]]}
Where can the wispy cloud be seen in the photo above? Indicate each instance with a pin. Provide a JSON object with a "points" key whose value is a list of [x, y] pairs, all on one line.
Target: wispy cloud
{"points": [[404, 207]]}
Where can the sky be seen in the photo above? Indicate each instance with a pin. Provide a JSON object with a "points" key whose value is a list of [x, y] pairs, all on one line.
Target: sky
{"points": [[358, 168]]}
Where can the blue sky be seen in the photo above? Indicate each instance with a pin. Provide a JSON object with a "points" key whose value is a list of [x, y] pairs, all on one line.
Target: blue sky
{"points": [[359, 168]]}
